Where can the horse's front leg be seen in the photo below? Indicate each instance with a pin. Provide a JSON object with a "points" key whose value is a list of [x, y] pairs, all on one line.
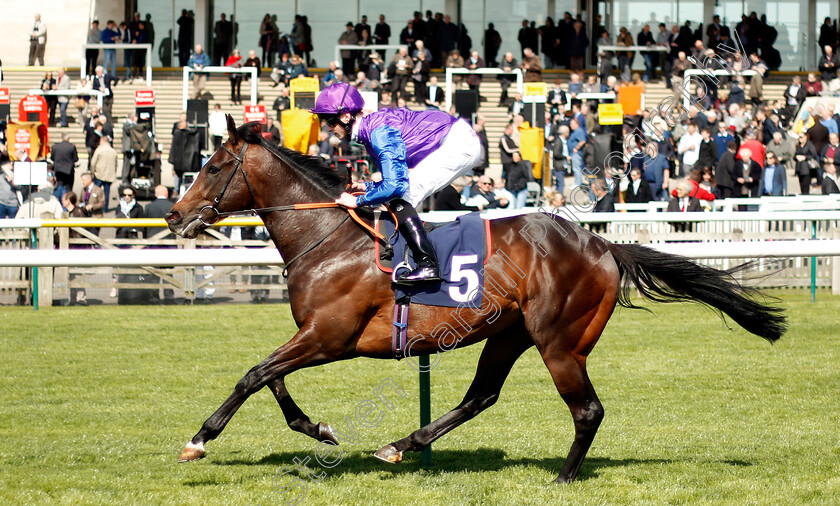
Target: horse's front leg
{"points": [[302, 351], [295, 416]]}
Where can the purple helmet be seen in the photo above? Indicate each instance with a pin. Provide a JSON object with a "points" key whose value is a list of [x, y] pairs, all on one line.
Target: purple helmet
{"points": [[338, 98]]}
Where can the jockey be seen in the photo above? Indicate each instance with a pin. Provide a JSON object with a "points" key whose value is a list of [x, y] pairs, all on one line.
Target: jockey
{"points": [[431, 147]]}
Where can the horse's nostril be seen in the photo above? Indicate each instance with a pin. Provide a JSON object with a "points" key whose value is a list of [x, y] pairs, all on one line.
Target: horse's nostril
{"points": [[173, 217]]}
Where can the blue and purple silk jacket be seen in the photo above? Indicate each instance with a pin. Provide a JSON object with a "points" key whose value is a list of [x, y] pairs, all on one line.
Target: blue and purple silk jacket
{"points": [[398, 139]]}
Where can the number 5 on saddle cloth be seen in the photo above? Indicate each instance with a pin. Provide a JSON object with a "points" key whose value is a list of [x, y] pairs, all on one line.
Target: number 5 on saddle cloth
{"points": [[462, 249]]}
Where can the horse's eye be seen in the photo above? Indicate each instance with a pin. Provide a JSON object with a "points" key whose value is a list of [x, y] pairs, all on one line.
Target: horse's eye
{"points": [[212, 169]]}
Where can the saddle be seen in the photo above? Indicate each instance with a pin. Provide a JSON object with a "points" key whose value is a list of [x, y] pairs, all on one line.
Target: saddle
{"points": [[462, 247]]}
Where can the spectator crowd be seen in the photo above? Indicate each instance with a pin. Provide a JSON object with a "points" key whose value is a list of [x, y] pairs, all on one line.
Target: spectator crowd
{"points": [[728, 142]]}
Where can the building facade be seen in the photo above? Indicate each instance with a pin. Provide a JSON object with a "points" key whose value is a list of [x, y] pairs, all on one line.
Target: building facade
{"points": [[797, 23]]}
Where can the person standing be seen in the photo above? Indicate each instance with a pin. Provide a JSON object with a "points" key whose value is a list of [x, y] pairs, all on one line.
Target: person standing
{"points": [[562, 158], [577, 44], [420, 76], [103, 165], [102, 82], [218, 125], [381, 34], [518, 177], [92, 54], [93, 199], [62, 82], [577, 140], [402, 67], [235, 61], [64, 158], [126, 37], [828, 35], [747, 176], [532, 66], [830, 184], [128, 209], [773, 177], [158, 208], [150, 30], [349, 37], [128, 125], [474, 62], [223, 33], [507, 146], [8, 198], [506, 80], [492, 43], [268, 40], [806, 161], [645, 38], [689, 148], [198, 61], [186, 26], [110, 35], [725, 172], [37, 41], [47, 85]]}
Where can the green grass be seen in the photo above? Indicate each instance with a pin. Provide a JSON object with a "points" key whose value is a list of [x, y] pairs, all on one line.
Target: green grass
{"points": [[97, 403]]}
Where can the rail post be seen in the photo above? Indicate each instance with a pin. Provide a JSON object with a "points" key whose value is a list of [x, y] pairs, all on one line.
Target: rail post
{"points": [[425, 405], [34, 238], [813, 265]]}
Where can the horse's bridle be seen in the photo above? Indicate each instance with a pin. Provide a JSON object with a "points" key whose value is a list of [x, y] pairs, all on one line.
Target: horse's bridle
{"points": [[237, 165], [213, 208]]}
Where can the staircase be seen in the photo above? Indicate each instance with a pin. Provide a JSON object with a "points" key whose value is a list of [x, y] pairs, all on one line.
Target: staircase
{"points": [[168, 105]]}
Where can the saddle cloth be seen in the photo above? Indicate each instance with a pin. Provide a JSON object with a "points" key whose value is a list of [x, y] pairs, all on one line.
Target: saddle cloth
{"points": [[461, 247]]}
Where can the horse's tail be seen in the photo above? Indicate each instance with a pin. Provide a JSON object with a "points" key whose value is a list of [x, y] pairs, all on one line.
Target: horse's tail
{"points": [[663, 277]]}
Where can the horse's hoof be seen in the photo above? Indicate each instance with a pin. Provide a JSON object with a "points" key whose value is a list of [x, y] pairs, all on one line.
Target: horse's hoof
{"points": [[192, 452], [325, 433], [389, 454]]}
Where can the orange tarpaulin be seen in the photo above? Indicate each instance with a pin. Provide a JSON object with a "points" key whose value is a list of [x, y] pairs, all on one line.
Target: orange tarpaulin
{"points": [[630, 98]]}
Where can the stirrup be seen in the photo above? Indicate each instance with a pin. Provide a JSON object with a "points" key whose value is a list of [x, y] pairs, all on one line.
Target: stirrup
{"points": [[432, 276]]}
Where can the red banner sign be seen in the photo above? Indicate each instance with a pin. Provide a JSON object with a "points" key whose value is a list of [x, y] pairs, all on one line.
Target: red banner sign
{"points": [[144, 98], [255, 113], [23, 140], [5, 96], [33, 104]]}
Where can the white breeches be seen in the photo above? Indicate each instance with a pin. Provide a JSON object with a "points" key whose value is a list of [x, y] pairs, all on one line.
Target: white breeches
{"points": [[459, 152]]}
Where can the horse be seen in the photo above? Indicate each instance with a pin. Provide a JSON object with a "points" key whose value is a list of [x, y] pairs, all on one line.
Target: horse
{"points": [[557, 295]]}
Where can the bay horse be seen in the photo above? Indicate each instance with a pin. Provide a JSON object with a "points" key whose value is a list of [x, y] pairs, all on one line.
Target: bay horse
{"points": [[565, 291]]}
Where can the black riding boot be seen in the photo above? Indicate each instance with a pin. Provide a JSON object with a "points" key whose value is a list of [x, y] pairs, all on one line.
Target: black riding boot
{"points": [[411, 228]]}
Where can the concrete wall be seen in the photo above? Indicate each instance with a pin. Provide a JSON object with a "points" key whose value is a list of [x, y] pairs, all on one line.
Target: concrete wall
{"points": [[67, 24]]}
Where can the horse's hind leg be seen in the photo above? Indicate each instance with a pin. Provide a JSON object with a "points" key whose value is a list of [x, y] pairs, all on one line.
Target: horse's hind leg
{"points": [[569, 374], [295, 416], [564, 354], [497, 358]]}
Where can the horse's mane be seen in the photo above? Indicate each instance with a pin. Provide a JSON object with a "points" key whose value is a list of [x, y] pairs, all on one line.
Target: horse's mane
{"points": [[312, 168]]}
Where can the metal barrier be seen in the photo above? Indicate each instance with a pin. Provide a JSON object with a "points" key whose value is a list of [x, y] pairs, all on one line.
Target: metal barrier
{"points": [[218, 70], [450, 71], [797, 247], [128, 47]]}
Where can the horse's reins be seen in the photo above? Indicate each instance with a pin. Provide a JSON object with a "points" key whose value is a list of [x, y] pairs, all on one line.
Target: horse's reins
{"points": [[216, 215]]}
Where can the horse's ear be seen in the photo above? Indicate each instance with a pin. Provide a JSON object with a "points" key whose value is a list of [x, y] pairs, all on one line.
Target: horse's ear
{"points": [[234, 135]]}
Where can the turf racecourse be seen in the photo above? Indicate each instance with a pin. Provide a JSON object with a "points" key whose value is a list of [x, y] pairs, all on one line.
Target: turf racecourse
{"points": [[97, 403]]}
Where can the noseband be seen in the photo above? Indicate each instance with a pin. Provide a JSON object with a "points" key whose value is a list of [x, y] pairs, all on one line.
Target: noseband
{"points": [[210, 215]]}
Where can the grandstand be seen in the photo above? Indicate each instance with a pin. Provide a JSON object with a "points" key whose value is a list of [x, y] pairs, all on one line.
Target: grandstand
{"points": [[167, 84]]}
